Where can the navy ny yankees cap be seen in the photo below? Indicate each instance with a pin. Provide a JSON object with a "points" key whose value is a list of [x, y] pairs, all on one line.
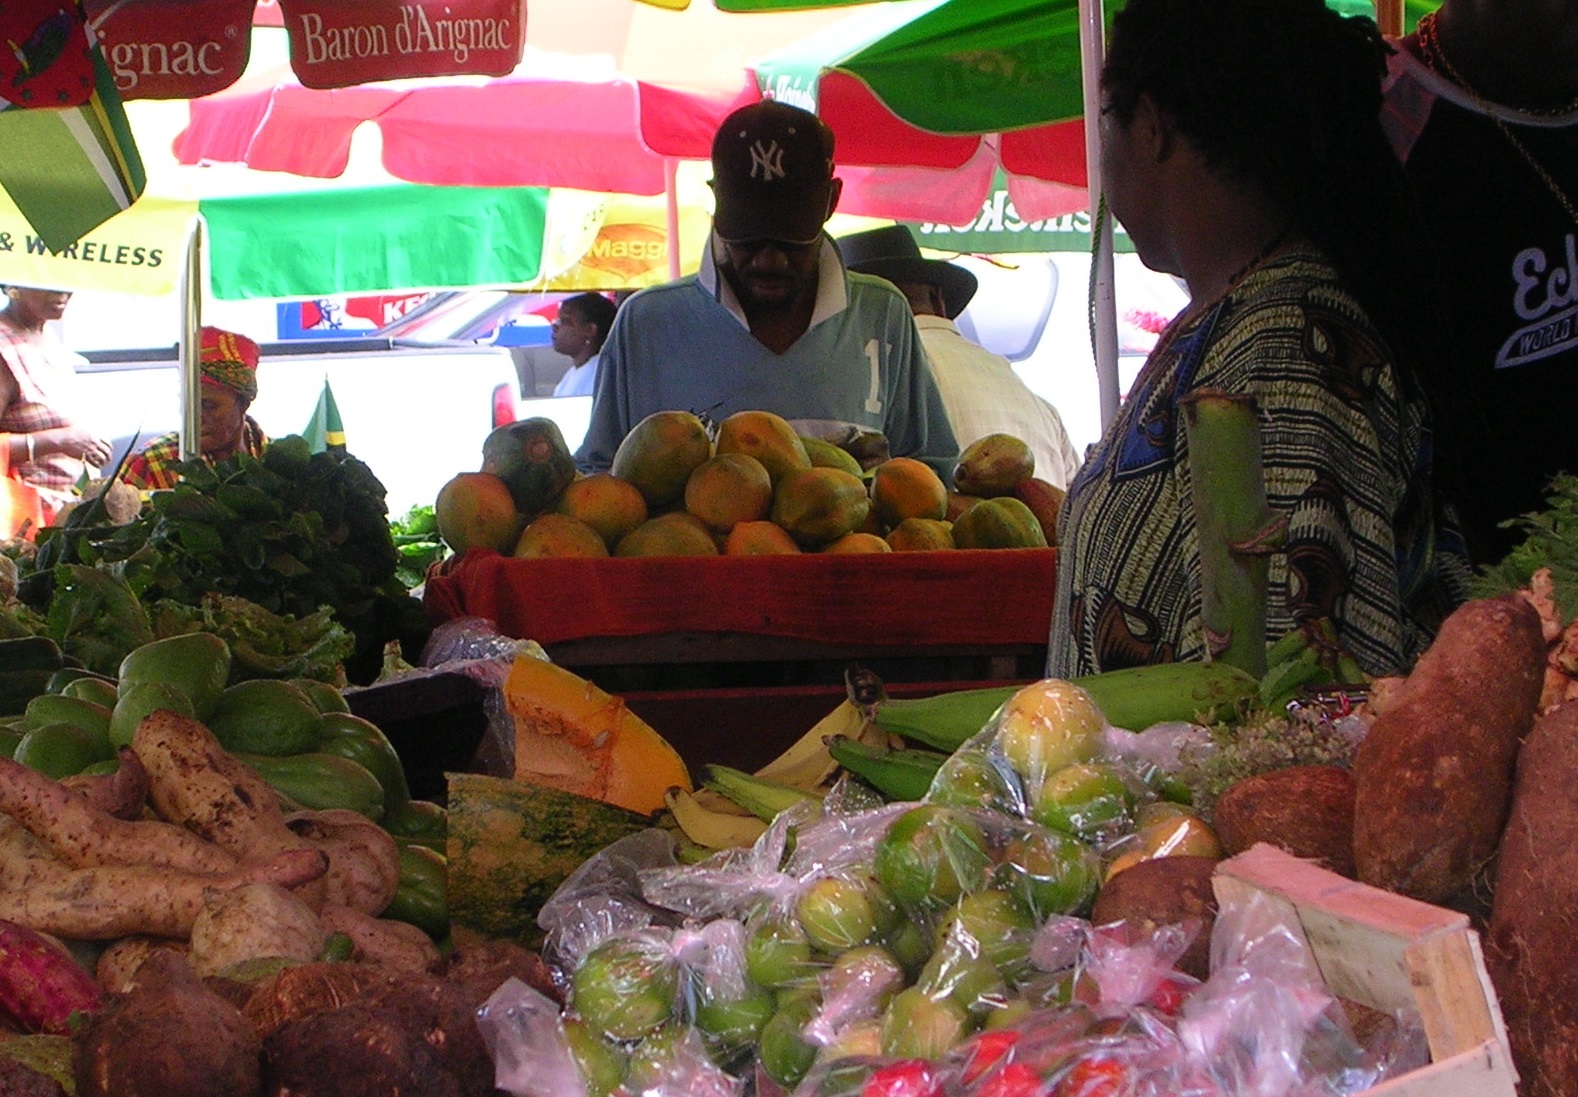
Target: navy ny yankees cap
{"points": [[772, 171]]}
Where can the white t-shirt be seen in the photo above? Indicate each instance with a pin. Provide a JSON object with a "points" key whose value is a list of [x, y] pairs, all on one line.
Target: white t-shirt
{"points": [[578, 380]]}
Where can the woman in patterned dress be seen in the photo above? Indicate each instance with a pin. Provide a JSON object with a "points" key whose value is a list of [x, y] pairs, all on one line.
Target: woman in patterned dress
{"points": [[1242, 151]]}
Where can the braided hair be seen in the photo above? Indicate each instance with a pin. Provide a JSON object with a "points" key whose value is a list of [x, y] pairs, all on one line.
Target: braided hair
{"points": [[1286, 95]]}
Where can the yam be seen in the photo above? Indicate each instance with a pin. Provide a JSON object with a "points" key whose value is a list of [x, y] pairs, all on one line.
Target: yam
{"points": [[117, 965], [306, 989], [122, 794], [358, 1050], [1433, 777], [480, 965], [1306, 810], [81, 835], [1534, 914], [364, 862], [169, 1036], [382, 942], [1164, 891], [254, 922]]}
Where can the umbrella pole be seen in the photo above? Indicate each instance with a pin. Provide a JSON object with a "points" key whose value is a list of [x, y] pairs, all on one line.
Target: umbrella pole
{"points": [[190, 348], [1103, 304], [671, 212]]}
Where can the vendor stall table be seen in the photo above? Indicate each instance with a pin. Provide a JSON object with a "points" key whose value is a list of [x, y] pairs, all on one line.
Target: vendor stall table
{"points": [[705, 648]]}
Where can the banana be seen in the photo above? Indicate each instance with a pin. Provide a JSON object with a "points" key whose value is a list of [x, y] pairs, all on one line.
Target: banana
{"points": [[763, 798], [712, 829], [903, 774], [1288, 648], [806, 764], [1283, 681]]}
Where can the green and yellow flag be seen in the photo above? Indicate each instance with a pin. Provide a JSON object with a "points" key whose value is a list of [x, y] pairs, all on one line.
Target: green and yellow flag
{"points": [[324, 430]]}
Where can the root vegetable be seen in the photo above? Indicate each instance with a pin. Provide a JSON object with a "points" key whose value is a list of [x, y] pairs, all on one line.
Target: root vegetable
{"points": [[169, 1036], [116, 970], [122, 794], [364, 862], [1534, 916], [1306, 810], [82, 835], [1433, 776], [388, 944], [41, 986], [1160, 892], [306, 989], [358, 1050], [105, 902], [254, 922]]}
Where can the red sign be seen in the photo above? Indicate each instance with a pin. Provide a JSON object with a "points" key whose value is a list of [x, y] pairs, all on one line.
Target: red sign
{"points": [[173, 49], [338, 43]]}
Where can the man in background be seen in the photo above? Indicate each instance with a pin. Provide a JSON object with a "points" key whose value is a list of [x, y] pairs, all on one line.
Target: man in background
{"points": [[578, 333], [772, 321], [980, 389]]}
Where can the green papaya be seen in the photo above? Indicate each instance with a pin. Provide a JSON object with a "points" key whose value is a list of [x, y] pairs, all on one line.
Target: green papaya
{"points": [[60, 750], [321, 781], [53, 708], [265, 716], [138, 700], [90, 687], [196, 664], [532, 459]]}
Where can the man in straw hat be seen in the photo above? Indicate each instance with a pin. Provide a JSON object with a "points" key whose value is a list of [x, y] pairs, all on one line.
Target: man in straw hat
{"points": [[980, 389], [229, 364], [772, 321]]}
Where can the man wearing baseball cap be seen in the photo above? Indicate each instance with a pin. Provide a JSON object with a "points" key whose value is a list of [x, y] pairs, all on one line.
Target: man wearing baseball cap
{"points": [[980, 389], [228, 365], [772, 321]]}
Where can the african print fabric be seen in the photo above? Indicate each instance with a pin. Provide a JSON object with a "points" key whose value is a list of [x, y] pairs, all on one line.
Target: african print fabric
{"points": [[1347, 457], [155, 466]]}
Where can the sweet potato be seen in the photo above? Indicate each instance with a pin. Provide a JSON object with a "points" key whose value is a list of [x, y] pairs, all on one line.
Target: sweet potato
{"points": [[122, 794], [1534, 915], [105, 902], [1433, 777], [169, 1036], [382, 942], [41, 985], [1164, 891], [1306, 810], [254, 922], [364, 862], [81, 835], [116, 970]]}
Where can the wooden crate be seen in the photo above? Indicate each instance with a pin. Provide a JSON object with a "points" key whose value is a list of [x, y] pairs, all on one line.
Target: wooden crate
{"points": [[1386, 951]]}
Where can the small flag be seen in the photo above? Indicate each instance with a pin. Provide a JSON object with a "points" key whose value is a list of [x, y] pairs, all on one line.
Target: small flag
{"points": [[67, 156], [325, 431]]}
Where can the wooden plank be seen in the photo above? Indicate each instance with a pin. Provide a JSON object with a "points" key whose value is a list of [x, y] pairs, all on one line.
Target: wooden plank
{"points": [[1485, 1071], [1446, 972]]}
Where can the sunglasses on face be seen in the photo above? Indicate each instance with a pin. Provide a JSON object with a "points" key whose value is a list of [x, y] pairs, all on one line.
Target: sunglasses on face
{"points": [[756, 247]]}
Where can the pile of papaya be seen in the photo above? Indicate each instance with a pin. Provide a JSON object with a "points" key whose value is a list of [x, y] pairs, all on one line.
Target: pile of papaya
{"points": [[748, 485]]}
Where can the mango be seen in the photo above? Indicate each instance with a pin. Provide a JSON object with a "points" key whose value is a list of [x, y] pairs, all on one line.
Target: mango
{"points": [[555, 534], [992, 465], [767, 437], [660, 453], [996, 523], [611, 506], [532, 459], [196, 665], [672, 534], [728, 489], [476, 510], [819, 505]]}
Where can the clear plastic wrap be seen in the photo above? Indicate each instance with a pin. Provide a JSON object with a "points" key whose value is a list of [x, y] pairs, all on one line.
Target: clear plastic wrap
{"points": [[526, 1039], [603, 898]]}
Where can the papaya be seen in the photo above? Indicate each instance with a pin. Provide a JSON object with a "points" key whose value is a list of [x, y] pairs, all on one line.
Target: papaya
{"points": [[476, 510], [672, 534], [991, 465], [1002, 522], [767, 437], [921, 535], [571, 735], [958, 503], [555, 534], [660, 453], [265, 716], [1045, 501], [512, 843], [611, 506], [824, 454], [195, 664], [858, 542], [531, 457], [819, 505], [759, 539], [902, 487], [728, 489]]}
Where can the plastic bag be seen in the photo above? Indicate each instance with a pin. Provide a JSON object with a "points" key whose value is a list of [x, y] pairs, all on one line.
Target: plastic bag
{"points": [[603, 898], [527, 1042]]}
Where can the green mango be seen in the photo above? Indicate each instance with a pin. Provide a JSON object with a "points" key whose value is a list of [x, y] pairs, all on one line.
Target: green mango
{"points": [[196, 664], [138, 700]]}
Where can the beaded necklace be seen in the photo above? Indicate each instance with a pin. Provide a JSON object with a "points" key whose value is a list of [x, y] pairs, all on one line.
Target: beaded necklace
{"points": [[1437, 61]]}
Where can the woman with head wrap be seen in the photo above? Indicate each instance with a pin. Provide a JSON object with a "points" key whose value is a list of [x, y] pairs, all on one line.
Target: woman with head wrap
{"points": [[229, 365]]}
